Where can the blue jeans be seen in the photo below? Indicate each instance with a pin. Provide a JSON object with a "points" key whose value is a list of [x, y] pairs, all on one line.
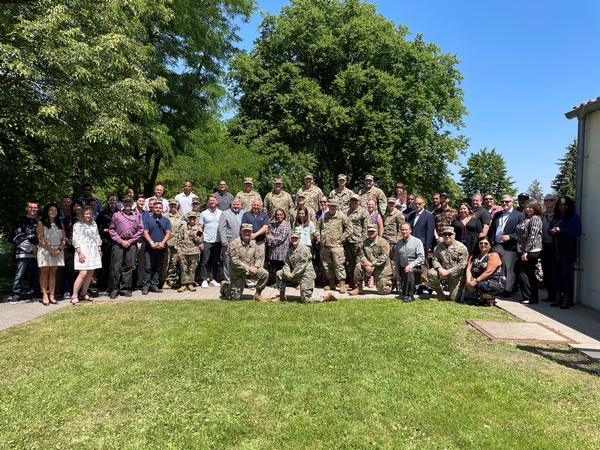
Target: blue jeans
{"points": [[23, 266]]}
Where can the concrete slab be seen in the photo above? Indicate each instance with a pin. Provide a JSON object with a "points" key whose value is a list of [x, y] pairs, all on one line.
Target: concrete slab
{"points": [[530, 333]]}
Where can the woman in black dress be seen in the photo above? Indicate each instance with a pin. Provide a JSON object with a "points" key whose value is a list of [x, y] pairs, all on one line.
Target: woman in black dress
{"points": [[467, 227]]}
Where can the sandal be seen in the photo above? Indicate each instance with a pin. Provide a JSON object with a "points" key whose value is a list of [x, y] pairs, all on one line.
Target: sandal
{"points": [[45, 301], [74, 301]]}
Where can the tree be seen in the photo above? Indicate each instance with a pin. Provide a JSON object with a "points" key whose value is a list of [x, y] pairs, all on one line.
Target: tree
{"points": [[485, 172], [105, 91], [536, 191], [564, 182], [333, 87]]}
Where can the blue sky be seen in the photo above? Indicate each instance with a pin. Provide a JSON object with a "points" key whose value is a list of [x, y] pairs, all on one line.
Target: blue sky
{"points": [[524, 64]]}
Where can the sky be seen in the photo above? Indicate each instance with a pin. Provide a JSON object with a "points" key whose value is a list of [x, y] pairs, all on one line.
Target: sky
{"points": [[525, 63]]}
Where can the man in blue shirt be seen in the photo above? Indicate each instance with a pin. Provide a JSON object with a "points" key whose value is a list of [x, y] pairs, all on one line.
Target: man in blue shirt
{"points": [[157, 230], [260, 225]]}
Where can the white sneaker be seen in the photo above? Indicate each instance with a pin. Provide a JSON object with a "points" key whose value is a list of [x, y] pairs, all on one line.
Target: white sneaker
{"points": [[204, 284], [215, 283]]}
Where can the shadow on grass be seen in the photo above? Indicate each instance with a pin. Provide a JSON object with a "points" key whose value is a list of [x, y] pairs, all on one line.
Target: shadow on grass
{"points": [[570, 358]]}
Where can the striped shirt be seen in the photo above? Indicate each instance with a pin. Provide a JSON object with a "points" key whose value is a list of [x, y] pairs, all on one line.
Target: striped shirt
{"points": [[529, 235]]}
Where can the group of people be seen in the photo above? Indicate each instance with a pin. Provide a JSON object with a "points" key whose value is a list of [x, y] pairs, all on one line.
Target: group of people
{"points": [[344, 240]]}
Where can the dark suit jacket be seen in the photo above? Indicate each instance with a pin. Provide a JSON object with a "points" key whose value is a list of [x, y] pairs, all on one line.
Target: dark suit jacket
{"points": [[424, 228], [510, 228]]}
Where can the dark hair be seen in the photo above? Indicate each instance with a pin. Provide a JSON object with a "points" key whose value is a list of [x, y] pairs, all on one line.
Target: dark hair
{"points": [[477, 252], [468, 207], [297, 222], [568, 201], [112, 195], [76, 201], [86, 184], [284, 213], [535, 205], [46, 218]]}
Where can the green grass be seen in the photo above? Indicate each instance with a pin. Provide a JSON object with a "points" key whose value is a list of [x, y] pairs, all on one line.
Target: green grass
{"points": [[351, 374]]}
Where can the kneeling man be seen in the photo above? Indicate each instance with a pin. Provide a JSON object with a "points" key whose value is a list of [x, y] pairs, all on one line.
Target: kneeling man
{"points": [[449, 262], [298, 267], [374, 260]]}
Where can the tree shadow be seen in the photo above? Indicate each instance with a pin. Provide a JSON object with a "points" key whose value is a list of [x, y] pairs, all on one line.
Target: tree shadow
{"points": [[568, 357]]}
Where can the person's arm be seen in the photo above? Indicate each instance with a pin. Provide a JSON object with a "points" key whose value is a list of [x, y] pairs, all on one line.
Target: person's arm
{"points": [[494, 262], [347, 226], [435, 261], [485, 223], [379, 225], [469, 268], [572, 227], [302, 265], [535, 229], [39, 231], [461, 263], [513, 236], [430, 231], [235, 259], [112, 231], [223, 229], [264, 228], [419, 255], [282, 234], [383, 258]]}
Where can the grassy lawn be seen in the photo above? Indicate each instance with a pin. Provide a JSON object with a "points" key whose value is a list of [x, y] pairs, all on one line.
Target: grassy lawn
{"points": [[351, 374]]}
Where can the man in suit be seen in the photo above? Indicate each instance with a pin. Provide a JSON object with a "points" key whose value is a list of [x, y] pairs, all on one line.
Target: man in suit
{"points": [[503, 233], [423, 228]]}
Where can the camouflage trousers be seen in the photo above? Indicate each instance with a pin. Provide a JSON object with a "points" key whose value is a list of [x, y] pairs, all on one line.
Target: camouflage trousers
{"points": [[170, 269], [306, 281], [333, 261], [383, 278], [352, 255], [455, 285], [188, 265], [234, 290]]}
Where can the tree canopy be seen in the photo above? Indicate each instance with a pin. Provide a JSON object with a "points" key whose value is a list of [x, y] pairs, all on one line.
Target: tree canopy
{"points": [[485, 172], [333, 87], [105, 91], [564, 181]]}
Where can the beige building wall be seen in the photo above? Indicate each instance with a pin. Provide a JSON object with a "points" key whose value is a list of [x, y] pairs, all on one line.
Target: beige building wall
{"points": [[589, 283]]}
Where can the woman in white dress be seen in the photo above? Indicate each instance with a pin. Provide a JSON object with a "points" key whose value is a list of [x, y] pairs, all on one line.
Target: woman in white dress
{"points": [[88, 253], [50, 256]]}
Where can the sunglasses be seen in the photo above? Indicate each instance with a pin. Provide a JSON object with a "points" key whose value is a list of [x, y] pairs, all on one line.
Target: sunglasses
{"points": [[484, 244], [447, 234], [506, 201]]}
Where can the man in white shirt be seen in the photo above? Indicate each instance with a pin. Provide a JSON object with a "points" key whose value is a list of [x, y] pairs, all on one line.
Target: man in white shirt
{"points": [[185, 198], [211, 248], [159, 190]]}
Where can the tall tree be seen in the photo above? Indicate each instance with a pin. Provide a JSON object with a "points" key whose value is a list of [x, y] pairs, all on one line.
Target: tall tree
{"points": [[564, 181], [331, 86], [536, 191], [485, 172]]}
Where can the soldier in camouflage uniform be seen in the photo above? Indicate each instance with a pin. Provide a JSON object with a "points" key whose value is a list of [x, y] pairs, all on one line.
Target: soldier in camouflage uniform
{"points": [[248, 195], [342, 194], [278, 199], [244, 263], [333, 229], [301, 203], [298, 267], [312, 191], [360, 219], [375, 260], [392, 223], [370, 191], [170, 269], [187, 245], [444, 216], [449, 263]]}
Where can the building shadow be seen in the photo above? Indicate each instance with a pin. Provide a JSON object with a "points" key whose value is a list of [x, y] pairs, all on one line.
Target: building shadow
{"points": [[567, 357]]}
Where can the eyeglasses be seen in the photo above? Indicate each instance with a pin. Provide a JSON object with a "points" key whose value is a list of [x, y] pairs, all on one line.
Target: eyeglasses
{"points": [[447, 234], [484, 244], [506, 201]]}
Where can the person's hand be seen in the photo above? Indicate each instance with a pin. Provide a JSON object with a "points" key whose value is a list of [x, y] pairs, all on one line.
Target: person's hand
{"points": [[225, 244], [287, 275], [440, 240], [504, 237], [252, 236], [35, 250], [81, 257], [555, 230], [201, 247], [524, 257], [100, 250], [408, 269], [180, 256], [126, 244], [443, 273], [161, 245], [472, 283], [253, 269]]}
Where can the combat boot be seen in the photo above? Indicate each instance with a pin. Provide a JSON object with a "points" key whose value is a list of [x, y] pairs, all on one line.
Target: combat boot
{"points": [[331, 286], [343, 289], [358, 290], [191, 287], [182, 288], [279, 298]]}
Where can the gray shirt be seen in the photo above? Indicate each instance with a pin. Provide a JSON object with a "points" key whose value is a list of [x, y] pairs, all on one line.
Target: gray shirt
{"points": [[223, 200], [409, 253], [229, 225]]}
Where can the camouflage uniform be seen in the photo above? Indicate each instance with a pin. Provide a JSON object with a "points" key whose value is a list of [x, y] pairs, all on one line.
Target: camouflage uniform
{"points": [[170, 271], [187, 247], [313, 194], [298, 267], [243, 255], [392, 221], [342, 197], [444, 218], [331, 232], [376, 194], [359, 218], [246, 198], [273, 201], [451, 257], [376, 251]]}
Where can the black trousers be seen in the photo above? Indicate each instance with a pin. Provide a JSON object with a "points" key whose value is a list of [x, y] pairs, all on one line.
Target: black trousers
{"points": [[210, 259], [153, 261], [407, 280], [547, 263], [526, 276], [121, 267]]}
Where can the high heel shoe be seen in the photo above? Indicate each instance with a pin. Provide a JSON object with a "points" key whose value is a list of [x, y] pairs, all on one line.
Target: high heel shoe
{"points": [[45, 301], [52, 299]]}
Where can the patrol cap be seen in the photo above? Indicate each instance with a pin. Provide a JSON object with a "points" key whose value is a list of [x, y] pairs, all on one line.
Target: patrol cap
{"points": [[355, 197], [248, 180], [369, 177], [332, 202], [246, 227], [193, 214], [391, 200], [127, 199], [301, 194], [195, 200], [371, 227], [277, 181], [172, 201], [341, 176], [447, 230], [308, 175], [294, 234]]}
